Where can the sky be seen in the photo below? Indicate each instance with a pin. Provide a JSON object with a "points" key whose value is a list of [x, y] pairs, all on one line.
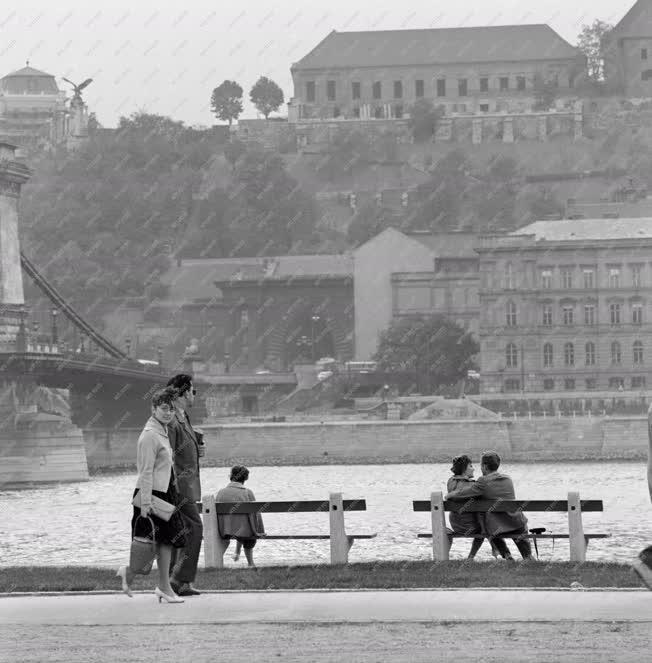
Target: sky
{"points": [[167, 57]]}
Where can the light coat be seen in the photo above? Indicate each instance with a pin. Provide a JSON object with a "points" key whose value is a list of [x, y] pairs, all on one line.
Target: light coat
{"points": [[153, 460]]}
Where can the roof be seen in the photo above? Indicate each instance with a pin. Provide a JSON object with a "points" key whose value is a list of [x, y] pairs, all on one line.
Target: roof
{"points": [[588, 229], [636, 22], [504, 43], [448, 245], [197, 278], [29, 81]]}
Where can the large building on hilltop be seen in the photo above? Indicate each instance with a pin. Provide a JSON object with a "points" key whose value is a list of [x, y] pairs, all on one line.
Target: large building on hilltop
{"points": [[379, 74], [32, 107], [567, 305]]}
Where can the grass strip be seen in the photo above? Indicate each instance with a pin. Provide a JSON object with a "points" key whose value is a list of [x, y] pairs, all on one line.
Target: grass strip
{"points": [[374, 575]]}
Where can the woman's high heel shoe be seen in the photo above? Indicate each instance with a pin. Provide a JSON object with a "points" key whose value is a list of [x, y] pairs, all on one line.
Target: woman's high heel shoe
{"points": [[162, 596], [122, 573]]}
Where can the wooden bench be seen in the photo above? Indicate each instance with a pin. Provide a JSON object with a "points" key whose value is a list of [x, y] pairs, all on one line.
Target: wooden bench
{"points": [[335, 506], [578, 539]]}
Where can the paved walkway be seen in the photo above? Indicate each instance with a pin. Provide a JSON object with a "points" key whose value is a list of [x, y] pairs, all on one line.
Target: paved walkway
{"points": [[323, 607]]}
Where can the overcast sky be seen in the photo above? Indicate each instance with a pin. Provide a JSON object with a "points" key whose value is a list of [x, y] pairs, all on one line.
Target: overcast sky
{"points": [[166, 57]]}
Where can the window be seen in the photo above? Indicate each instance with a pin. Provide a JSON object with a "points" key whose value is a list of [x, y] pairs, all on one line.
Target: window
{"points": [[614, 277], [637, 313], [244, 318], [378, 112], [520, 82], [646, 75], [589, 354], [484, 108], [547, 355], [418, 89], [590, 383], [616, 383], [356, 111], [636, 276], [355, 90], [589, 314], [614, 313], [310, 91], [548, 384], [638, 382], [569, 354], [441, 87], [644, 54], [567, 314], [547, 315], [511, 356], [398, 111], [509, 276], [398, 89], [330, 90], [484, 84], [637, 350], [504, 83], [511, 314], [588, 279], [566, 278], [336, 111], [462, 87], [615, 353], [546, 279], [569, 384], [512, 385], [377, 90]]}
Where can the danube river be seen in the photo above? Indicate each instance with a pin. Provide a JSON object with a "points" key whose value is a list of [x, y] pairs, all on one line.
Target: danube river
{"points": [[88, 523]]}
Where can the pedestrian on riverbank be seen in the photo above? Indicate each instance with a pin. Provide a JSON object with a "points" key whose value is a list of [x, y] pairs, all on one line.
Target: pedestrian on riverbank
{"points": [[245, 528], [643, 565], [156, 479], [464, 523], [187, 446], [493, 485]]}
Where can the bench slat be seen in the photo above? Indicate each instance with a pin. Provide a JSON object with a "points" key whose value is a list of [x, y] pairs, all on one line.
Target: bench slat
{"points": [[315, 536], [301, 506], [482, 506], [428, 535]]}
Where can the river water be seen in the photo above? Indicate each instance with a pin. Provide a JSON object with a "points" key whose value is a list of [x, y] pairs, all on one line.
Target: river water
{"points": [[88, 523]]}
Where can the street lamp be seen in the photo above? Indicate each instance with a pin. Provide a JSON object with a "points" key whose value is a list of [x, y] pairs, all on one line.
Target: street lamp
{"points": [[55, 335], [313, 320]]}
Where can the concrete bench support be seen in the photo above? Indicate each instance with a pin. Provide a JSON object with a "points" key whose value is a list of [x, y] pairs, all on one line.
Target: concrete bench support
{"points": [[577, 540], [440, 541]]}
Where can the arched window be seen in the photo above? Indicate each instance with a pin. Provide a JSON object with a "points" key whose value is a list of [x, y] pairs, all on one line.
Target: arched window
{"points": [[615, 353], [509, 276], [569, 354], [547, 355], [510, 314], [638, 352], [590, 353], [511, 356]]}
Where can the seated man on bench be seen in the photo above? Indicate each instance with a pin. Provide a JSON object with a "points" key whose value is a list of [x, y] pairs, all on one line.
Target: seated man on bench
{"points": [[493, 485], [243, 527]]}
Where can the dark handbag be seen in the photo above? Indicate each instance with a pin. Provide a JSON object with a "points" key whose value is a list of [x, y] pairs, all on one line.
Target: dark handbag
{"points": [[143, 551]]}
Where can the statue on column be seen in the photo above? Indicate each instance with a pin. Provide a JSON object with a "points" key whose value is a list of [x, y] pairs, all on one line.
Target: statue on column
{"points": [[78, 114]]}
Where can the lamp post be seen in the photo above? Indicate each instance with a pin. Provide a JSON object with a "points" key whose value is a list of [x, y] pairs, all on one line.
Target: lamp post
{"points": [[128, 346], [21, 337], [55, 334], [313, 320], [35, 336]]}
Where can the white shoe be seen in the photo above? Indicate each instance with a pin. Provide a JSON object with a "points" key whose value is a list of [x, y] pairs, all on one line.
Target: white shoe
{"points": [[162, 596], [122, 573]]}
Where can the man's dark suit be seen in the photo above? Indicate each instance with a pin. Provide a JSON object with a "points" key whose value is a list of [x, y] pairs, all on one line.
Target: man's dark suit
{"points": [[184, 443], [494, 486]]}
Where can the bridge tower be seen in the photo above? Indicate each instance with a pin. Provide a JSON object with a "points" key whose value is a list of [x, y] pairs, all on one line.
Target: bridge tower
{"points": [[35, 446]]}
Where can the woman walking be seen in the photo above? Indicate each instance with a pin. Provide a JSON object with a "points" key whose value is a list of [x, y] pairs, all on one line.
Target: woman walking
{"points": [[156, 479]]}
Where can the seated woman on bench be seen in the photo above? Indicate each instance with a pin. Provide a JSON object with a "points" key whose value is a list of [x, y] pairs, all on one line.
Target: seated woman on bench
{"points": [[464, 523], [243, 527]]}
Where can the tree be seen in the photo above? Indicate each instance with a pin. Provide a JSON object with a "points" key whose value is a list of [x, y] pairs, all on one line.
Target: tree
{"points": [[226, 101], [424, 119], [592, 42], [437, 350], [266, 96]]}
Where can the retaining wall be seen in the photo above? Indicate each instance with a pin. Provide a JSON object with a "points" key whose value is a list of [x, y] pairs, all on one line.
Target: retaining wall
{"points": [[303, 443]]}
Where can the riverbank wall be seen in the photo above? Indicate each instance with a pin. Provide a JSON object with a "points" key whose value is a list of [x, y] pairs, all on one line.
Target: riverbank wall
{"points": [[371, 442]]}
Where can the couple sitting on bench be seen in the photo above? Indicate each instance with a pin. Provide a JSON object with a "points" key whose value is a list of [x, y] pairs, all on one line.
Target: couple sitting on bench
{"points": [[491, 485]]}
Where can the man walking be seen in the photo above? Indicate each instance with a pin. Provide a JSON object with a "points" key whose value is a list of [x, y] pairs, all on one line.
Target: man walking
{"points": [[493, 485], [643, 565], [187, 448]]}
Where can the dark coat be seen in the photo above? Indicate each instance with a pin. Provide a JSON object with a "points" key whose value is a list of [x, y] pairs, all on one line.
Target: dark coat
{"points": [[463, 523], [241, 525], [184, 443], [493, 486]]}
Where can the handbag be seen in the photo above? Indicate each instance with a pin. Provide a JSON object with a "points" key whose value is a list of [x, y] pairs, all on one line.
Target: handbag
{"points": [[160, 508], [143, 551]]}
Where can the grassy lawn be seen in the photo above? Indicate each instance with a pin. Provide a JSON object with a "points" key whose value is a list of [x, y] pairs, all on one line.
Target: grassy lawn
{"points": [[381, 575]]}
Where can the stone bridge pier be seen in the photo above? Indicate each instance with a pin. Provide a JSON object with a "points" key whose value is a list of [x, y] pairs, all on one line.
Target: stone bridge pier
{"points": [[35, 446]]}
